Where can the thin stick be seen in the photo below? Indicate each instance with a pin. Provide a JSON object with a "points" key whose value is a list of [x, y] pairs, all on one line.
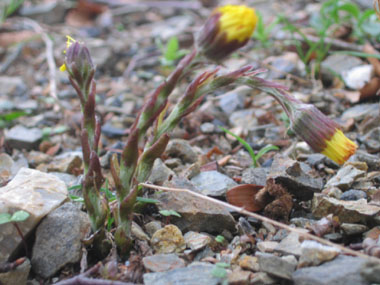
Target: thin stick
{"points": [[263, 219]]}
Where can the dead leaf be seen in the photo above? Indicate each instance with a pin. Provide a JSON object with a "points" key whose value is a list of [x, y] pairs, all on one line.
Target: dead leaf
{"points": [[244, 196]]}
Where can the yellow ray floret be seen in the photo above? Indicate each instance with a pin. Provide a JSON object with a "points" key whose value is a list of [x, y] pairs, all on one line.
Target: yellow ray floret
{"points": [[69, 42], [339, 148], [238, 22]]}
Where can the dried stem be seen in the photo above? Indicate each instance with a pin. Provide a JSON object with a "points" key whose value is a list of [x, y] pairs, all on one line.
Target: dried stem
{"points": [[263, 219]]}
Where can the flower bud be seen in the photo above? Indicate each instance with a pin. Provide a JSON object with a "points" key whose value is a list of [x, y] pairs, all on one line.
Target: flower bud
{"points": [[321, 133], [227, 29]]}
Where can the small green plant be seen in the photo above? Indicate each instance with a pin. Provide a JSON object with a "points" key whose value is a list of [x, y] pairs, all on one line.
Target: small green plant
{"points": [[171, 52], [18, 216], [255, 157], [263, 32], [8, 7], [168, 213], [220, 239], [220, 271], [6, 119]]}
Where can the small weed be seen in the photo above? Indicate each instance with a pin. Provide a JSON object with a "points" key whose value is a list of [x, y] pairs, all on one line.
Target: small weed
{"points": [[263, 32], [5, 119], [171, 52], [18, 216], [220, 239], [168, 213], [255, 157]]}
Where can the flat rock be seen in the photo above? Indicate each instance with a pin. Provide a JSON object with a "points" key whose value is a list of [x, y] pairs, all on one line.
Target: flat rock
{"points": [[196, 241], [343, 270], [213, 183], [282, 267], [296, 177], [68, 162], [290, 245], [314, 253], [17, 276], [33, 191], [262, 278], [249, 262], [160, 172], [345, 177], [195, 274], [20, 137], [168, 240], [348, 211], [353, 229], [256, 176], [196, 214], [58, 239], [163, 262], [267, 246], [182, 149]]}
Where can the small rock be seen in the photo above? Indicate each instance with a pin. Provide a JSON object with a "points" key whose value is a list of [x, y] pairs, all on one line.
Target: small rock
{"points": [[33, 191], [234, 100], [250, 263], [173, 162], [337, 64], [152, 227], [246, 118], [371, 272], [288, 63], [353, 195], [290, 245], [262, 278], [371, 160], [12, 86], [68, 162], [195, 274], [296, 177], [196, 241], [182, 149], [69, 179], [213, 183], [168, 240], [196, 214], [267, 246], [256, 176], [359, 112], [239, 277], [36, 158], [207, 128], [371, 140], [20, 137], [357, 77], [277, 266], [6, 164], [333, 192], [345, 177], [347, 211], [343, 270], [353, 229], [138, 232], [315, 159], [162, 262], [17, 276], [314, 253], [59, 239], [160, 172]]}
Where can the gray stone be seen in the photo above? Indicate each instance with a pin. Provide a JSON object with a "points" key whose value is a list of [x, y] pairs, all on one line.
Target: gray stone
{"points": [[213, 183], [372, 140], [262, 278], [256, 176], [343, 270], [234, 100], [69, 179], [20, 137], [52, 12], [290, 245], [315, 159], [68, 162], [314, 253], [357, 77], [13, 86], [152, 227], [182, 149], [288, 63], [163, 262], [17, 276], [353, 195], [6, 164], [359, 112], [196, 214], [296, 177], [348, 211], [160, 172], [371, 272], [337, 64], [196, 241], [267, 246], [345, 177], [195, 274], [353, 229], [58, 239], [207, 128], [247, 118], [33, 191], [277, 266], [371, 160]]}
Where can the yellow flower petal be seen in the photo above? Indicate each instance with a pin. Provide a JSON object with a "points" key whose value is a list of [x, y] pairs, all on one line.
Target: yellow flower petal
{"points": [[339, 148]]}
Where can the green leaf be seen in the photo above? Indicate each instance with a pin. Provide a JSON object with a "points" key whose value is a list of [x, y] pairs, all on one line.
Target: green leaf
{"points": [[74, 187], [20, 216], [219, 239], [13, 115], [219, 272], [76, 199], [5, 218], [168, 213], [171, 49], [147, 200], [266, 149]]}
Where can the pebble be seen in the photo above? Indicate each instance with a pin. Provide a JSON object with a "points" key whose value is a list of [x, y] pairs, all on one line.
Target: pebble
{"points": [[290, 245], [152, 227], [160, 173], [12, 85], [59, 239], [138, 232], [68, 162], [357, 77], [162, 262], [353, 229], [6, 164], [347, 211], [256, 176], [182, 149], [333, 192], [360, 111], [371, 272], [234, 100], [20, 137], [282, 267], [353, 195], [168, 240], [262, 278], [195, 274], [213, 183], [207, 128], [17, 276], [196, 241], [239, 277], [267, 246], [314, 253], [250, 263], [371, 140], [33, 191], [345, 177], [343, 270], [337, 64], [371, 160]]}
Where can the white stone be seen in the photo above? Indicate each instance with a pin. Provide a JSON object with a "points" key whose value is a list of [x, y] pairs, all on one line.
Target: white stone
{"points": [[32, 191], [357, 77]]}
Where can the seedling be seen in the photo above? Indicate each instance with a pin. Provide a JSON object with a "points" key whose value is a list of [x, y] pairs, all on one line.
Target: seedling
{"points": [[255, 157], [263, 32], [168, 213], [171, 52], [220, 239]]}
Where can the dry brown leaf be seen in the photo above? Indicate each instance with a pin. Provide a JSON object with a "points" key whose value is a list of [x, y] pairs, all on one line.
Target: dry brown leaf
{"points": [[244, 196]]}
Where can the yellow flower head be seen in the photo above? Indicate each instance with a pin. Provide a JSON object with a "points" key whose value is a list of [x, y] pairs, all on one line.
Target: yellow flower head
{"points": [[227, 29], [321, 133], [69, 42], [339, 148], [238, 22]]}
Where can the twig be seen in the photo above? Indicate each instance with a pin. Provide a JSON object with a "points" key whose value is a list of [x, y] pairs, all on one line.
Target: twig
{"points": [[263, 219]]}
